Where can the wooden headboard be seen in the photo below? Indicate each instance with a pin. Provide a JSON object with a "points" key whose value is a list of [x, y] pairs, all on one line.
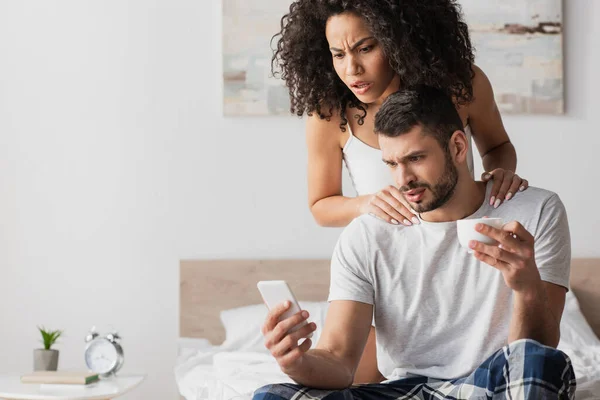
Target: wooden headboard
{"points": [[206, 287], [209, 286], [585, 283]]}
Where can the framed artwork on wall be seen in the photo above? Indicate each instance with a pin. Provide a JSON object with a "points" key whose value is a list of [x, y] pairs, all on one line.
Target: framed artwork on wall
{"points": [[519, 46], [248, 85]]}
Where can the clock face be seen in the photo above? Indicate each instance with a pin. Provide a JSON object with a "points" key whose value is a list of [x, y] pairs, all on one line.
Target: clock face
{"points": [[101, 356]]}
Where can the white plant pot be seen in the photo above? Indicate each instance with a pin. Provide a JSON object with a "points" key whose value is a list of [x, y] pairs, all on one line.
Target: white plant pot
{"points": [[45, 360]]}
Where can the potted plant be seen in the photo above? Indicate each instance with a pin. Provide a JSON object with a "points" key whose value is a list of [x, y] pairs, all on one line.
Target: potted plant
{"points": [[46, 359]]}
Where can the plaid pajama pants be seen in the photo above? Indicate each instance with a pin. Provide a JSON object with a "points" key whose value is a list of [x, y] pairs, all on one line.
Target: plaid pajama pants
{"points": [[524, 369]]}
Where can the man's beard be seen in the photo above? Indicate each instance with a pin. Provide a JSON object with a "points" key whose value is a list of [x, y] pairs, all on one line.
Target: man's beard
{"points": [[442, 190]]}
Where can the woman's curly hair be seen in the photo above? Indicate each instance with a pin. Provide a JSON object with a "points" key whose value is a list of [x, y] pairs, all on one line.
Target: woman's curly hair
{"points": [[426, 42]]}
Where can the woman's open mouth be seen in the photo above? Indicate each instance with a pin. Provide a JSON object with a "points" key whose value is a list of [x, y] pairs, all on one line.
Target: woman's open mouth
{"points": [[361, 87]]}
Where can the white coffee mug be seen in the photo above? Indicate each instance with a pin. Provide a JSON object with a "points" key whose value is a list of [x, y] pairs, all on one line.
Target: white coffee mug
{"points": [[465, 228]]}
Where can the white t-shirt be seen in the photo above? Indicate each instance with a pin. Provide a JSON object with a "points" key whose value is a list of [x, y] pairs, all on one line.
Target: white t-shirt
{"points": [[439, 312]]}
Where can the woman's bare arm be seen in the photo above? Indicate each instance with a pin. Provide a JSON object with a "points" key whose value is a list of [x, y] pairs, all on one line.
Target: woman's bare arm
{"points": [[325, 199], [497, 152], [489, 133]]}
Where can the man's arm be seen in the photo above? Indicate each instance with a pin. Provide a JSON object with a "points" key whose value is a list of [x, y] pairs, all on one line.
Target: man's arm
{"points": [[332, 363], [537, 314], [537, 305]]}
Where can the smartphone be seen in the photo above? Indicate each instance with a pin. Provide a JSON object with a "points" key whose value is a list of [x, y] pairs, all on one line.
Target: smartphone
{"points": [[277, 292]]}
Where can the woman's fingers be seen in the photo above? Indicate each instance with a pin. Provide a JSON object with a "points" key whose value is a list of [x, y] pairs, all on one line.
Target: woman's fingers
{"points": [[382, 209], [504, 186], [514, 187], [408, 214], [402, 206], [497, 176], [387, 206], [377, 212]]}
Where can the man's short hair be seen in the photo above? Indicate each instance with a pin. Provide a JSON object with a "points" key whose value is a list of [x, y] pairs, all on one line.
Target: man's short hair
{"points": [[423, 106]]}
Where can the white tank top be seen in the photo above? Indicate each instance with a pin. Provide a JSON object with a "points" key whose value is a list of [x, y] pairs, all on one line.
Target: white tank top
{"points": [[368, 172]]}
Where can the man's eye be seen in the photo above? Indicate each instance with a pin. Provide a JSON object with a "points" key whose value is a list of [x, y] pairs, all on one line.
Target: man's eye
{"points": [[365, 49], [415, 158], [339, 55]]}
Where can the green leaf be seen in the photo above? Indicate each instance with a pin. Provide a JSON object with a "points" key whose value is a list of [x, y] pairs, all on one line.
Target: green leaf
{"points": [[49, 337]]}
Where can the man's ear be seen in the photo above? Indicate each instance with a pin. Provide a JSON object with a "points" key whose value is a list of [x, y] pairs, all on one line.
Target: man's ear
{"points": [[459, 146]]}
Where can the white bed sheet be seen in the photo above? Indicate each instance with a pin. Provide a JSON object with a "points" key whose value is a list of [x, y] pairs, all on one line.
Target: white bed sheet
{"points": [[213, 373], [207, 372]]}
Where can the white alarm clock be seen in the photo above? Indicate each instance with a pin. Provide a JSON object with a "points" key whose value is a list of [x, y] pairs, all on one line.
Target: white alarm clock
{"points": [[103, 355]]}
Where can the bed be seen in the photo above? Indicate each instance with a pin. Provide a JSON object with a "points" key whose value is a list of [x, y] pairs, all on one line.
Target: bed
{"points": [[221, 354]]}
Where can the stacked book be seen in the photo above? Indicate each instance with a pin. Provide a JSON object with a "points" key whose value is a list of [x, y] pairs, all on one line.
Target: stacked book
{"points": [[60, 377]]}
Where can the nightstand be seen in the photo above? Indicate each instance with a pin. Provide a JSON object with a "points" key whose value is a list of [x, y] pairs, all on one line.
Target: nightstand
{"points": [[11, 388]]}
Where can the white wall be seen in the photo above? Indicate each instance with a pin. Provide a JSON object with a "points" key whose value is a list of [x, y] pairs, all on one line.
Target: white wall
{"points": [[115, 163]]}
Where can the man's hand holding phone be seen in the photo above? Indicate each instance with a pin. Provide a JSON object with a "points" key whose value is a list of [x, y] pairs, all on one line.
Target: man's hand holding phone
{"points": [[282, 343]]}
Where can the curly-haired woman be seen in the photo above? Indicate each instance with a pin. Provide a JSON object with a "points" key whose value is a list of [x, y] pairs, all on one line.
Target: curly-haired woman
{"points": [[340, 60]]}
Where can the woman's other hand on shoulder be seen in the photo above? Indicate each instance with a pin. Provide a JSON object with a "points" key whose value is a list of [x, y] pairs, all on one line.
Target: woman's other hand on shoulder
{"points": [[506, 185]]}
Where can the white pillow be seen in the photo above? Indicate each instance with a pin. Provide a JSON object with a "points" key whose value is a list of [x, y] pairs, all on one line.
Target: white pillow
{"points": [[243, 325], [575, 332]]}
